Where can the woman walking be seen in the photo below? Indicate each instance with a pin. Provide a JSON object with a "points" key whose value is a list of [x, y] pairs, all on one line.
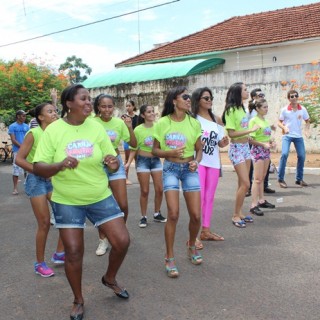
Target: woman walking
{"points": [[147, 164], [177, 139], [74, 151], [236, 123], [131, 109], [209, 168], [117, 130], [39, 189], [260, 153]]}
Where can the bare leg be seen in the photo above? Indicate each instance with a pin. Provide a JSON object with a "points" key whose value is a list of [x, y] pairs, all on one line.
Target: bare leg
{"points": [[119, 190], [172, 198], [74, 248], [118, 236], [158, 189], [42, 214], [15, 180], [242, 170], [194, 209], [144, 178]]}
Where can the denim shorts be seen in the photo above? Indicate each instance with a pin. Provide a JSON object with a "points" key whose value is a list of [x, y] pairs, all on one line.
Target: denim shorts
{"points": [[126, 146], [118, 175], [35, 186], [16, 170], [239, 153], [259, 153], [74, 216], [148, 164], [174, 172]]}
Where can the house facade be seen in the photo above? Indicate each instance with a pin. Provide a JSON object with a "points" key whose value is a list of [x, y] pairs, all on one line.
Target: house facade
{"points": [[272, 50]]}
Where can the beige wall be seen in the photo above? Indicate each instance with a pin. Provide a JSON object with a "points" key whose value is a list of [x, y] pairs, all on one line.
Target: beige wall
{"points": [[268, 79]]}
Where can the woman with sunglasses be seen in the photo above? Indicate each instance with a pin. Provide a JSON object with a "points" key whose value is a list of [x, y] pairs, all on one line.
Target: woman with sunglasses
{"points": [[177, 140], [117, 129], [209, 168], [236, 123], [290, 121]]}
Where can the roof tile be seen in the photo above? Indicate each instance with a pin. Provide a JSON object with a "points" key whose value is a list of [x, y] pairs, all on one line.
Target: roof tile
{"points": [[263, 28]]}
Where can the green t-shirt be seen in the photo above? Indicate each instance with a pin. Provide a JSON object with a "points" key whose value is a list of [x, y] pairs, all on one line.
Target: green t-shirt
{"points": [[144, 138], [37, 134], [237, 119], [173, 135], [88, 183], [116, 130], [263, 134]]}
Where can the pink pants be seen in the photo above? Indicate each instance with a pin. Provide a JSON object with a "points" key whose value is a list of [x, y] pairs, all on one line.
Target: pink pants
{"points": [[209, 178]]}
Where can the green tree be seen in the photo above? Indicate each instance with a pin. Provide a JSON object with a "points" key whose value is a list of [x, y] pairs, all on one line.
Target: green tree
{"points": [[75, 68], [24, 85]]}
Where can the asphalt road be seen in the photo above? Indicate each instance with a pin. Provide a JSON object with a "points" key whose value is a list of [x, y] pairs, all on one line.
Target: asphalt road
{"points": [[270, 270]]}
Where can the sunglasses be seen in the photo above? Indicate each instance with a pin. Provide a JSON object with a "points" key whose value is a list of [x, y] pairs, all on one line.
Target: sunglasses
{"points": [[207, 98], [292, 96], [261, 95], [186, 97]]}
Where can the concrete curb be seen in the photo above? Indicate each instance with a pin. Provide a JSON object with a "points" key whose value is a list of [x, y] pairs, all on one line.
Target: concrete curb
{"points": [[314, 171]]}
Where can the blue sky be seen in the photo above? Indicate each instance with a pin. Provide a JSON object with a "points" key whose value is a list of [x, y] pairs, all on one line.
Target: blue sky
{"points": [[104, 44]]}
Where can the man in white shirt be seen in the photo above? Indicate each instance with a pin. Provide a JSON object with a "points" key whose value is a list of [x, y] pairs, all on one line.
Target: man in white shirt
{"points": [[290, 121]]}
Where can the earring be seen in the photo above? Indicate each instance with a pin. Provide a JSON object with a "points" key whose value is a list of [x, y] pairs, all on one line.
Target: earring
{"points": [[69, 110]]}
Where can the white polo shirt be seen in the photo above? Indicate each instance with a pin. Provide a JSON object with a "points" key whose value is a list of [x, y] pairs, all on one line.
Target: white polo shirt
{"points": [[293, 119]]}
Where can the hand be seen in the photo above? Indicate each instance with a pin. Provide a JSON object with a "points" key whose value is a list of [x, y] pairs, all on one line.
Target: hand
{"points": [[127, 120], [255, 128], [54, 96], [223, 142], [193, 165], [285, 130], [177, 153], [111, 162], [69, 163]]}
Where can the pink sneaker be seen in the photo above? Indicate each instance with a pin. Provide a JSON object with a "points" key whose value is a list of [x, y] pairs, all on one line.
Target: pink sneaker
{"points": [[43, 270], [58, 258]]}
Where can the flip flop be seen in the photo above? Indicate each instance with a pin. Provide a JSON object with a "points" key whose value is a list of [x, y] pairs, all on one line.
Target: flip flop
{"points": [[248, 219], [239, 224], [15, 193], [198, 244]]}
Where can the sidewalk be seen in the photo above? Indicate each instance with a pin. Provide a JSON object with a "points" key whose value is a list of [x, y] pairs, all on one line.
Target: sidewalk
{"points": [[267, 271], [312, 163]]}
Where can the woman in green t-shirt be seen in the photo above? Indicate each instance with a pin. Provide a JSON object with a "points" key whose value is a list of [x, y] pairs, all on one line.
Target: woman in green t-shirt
{"points": [[38, 189], [236, 123], [177, 139], [147, 165], [74, 151], [117, 130], [260, 154]]}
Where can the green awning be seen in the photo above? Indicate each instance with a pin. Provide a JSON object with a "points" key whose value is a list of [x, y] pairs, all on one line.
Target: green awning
{"points": [[149, 72]]}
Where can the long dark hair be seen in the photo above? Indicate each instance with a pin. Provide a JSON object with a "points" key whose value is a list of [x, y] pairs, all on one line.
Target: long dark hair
{"points": [[68, 94], [168, 103], [98, 99], [195, 99], [142, 110], [252, 102], [38, 110], [233, 99]]}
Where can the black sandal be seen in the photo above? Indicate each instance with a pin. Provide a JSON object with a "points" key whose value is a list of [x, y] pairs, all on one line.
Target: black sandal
{"points": [[77, 316], [123, 292]]}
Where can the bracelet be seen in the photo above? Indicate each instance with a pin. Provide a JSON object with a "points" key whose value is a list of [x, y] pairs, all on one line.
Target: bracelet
{"points": [[196, 162]]}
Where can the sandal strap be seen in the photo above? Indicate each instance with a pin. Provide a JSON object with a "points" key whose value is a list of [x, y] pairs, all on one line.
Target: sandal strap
{"points": [[78, 304]]}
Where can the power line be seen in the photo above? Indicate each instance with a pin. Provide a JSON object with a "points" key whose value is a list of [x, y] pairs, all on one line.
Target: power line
{"points": [[88, 24]]}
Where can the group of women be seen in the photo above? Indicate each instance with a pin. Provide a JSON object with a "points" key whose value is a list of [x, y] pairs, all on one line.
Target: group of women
{"points": [[89, 177]]}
